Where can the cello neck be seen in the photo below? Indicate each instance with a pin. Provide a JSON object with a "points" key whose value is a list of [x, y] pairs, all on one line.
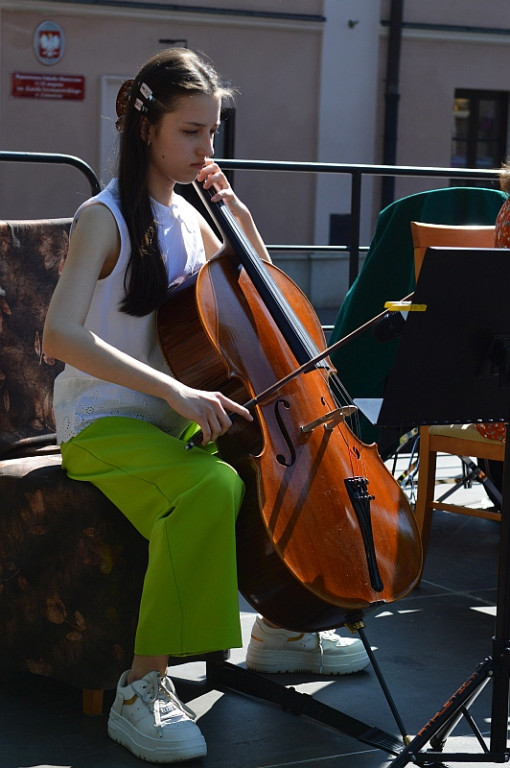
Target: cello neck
{"points": [[287, 321]]}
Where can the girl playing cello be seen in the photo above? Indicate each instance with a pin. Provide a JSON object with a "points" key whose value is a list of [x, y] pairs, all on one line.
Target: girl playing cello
{"points": [[123, 419]]}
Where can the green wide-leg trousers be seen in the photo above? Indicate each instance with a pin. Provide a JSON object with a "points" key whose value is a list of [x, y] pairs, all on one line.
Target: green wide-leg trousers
{"points": [[185, 503]]}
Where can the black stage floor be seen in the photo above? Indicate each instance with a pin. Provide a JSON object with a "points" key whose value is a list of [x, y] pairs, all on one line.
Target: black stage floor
{"points": [[426, 645]]}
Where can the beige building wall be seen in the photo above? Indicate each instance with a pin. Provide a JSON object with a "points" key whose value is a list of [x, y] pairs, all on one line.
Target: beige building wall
{"points": [[274, 62], [312, 82], [445, 46]]}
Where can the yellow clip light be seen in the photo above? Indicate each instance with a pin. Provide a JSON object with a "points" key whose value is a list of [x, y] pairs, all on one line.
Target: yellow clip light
{"points": [[404, 306]]}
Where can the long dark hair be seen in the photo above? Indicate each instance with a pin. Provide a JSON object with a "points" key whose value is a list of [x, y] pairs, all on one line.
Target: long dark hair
{"points": [[155, 90]]}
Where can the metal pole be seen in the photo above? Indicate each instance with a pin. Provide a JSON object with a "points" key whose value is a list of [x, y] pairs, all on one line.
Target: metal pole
{"points": [[392, 98]]}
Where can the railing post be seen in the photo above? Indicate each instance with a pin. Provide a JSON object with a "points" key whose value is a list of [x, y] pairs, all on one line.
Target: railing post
{"points": [[354, 234]]}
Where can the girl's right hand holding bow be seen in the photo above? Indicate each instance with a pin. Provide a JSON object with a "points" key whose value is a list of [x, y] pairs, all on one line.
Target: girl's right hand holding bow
{"points": [[208, 409]]}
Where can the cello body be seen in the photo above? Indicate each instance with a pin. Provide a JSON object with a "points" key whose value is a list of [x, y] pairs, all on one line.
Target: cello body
{"points": [[310, 552]]}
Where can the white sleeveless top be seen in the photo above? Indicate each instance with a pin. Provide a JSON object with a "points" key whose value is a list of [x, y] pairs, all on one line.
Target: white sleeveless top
{"points": [[79, 399]]}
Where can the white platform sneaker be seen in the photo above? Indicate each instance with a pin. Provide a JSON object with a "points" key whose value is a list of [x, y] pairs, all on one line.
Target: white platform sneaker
{"points": [[148, 719], [326, 653]]}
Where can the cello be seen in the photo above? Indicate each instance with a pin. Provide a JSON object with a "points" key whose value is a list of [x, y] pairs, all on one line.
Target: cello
{"points": [[324, 531]]}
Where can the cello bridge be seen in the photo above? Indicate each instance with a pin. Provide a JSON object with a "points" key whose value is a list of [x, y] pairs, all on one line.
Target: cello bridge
{"points": [[331, 419]]}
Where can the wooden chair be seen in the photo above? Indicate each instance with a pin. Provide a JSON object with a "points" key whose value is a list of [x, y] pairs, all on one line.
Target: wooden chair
{"points": [[456, 439], [442, 235]]}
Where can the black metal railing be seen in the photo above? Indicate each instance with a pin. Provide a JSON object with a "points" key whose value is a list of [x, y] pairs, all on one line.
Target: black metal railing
{"points": [[357, 172], [55, 158]]}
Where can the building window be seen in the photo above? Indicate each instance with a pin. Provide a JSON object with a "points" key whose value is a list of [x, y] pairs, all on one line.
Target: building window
{"points": [[479, 135]]}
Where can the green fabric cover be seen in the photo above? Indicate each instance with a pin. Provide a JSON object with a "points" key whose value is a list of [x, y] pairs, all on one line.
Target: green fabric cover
{"points": [[388, 274]]}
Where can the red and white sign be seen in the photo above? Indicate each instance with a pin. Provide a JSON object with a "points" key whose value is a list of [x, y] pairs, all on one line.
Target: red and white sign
{"points": [[49, 43], [36, 86]]}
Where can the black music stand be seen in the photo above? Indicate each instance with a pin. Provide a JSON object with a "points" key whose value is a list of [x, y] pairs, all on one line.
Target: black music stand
{"points": [[453, 366]]}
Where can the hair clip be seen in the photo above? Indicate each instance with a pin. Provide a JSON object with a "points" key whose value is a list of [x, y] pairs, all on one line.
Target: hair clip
{"points": [[147, 96], [140, 106], [146, 92]]}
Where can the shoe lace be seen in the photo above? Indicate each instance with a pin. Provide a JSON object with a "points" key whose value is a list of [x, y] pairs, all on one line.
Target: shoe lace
{"points": [[327, 634], [158, 693], [322, 636]]}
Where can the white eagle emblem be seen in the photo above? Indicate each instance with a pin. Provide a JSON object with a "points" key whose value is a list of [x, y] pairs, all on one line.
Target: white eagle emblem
{"points": [[49, 45]]}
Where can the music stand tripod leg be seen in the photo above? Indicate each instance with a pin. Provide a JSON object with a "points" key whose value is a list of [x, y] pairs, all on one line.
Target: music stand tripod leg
{"points": [[501, 639], [495, 669], [442, 721], [227, 676]]}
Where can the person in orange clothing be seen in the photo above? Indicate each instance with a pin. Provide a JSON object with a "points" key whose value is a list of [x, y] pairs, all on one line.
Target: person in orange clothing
{"points": [[502, 235]]}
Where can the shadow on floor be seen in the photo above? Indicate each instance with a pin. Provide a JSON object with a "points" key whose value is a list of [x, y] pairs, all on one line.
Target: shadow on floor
{"points": [[427, 644]]}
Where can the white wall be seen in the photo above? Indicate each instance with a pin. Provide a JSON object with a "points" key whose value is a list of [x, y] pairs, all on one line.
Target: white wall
{"points": [[346, 125]]}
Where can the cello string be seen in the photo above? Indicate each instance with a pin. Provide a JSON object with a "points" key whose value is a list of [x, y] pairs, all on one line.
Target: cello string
{"points": [[339, 390], [342, 395], [285, 311], [278, 298]]}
